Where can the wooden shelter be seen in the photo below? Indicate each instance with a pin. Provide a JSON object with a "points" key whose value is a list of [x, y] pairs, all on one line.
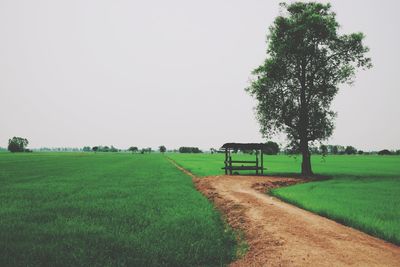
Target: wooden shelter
{"points": [[230, 165]]}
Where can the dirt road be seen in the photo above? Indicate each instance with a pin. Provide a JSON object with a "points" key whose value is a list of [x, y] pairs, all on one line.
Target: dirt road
{"points": [[280, 234]]}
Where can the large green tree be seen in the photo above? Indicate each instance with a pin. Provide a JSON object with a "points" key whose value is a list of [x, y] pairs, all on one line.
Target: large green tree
{"points": [[17, 144], [306, 60]]}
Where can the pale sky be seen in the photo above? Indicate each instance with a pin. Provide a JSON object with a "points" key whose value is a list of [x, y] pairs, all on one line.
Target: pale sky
{"points": [[173, 73]]}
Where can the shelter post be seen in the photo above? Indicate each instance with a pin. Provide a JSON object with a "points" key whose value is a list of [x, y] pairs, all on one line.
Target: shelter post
{"points": [[226, 161], [257, 162], [230, 163], [262, 161]]}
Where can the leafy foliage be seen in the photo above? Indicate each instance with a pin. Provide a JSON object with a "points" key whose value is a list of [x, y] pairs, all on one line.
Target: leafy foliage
{"points": [[385, 152], [18, 144], [86, 149], [104, 149], [133, 149], [271, 148], [350, 150], [162, 149], [185, 149], [307, 60]]}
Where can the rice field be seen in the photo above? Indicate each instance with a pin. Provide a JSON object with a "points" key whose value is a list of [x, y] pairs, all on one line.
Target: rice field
{"points": [[105, 209]]}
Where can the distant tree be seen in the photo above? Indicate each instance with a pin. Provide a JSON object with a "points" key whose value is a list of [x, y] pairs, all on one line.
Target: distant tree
{"points": [[323, 150], [247, 151], [185, 149], [335, 150], [95, 148], [307, 60], [398, 152], [133, 149], [314, 149], [162, 149], [146, 150], [341, 150], [18, 144], [385, 152], [350, 150], [360, 152], [292, 149], [113, 149], [271, 148], [86, 149]]}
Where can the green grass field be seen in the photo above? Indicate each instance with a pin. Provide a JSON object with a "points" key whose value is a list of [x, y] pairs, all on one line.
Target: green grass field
{"points": [[362, 192], [86, 209]]}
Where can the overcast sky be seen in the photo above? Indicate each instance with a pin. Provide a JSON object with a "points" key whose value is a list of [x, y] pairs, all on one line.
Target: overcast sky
{"points": [[173, 73]]}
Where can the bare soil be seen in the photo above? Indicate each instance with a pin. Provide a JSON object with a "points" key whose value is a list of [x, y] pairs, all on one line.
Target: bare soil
{"points": [[279, 234]]}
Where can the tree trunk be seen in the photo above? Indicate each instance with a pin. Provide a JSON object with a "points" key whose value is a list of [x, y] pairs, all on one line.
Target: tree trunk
{"points": [[306, 162], [304, 116]]}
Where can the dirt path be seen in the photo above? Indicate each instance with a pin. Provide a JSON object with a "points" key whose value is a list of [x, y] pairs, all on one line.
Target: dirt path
{"points": [[280, 234]]}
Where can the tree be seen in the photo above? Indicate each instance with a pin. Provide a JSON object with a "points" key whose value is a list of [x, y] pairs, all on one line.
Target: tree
{"points": [[146, 150], [323, 150], [95, 148], [385, 152], [306, 61], [271, 148], [185, 149], [133, 149], [113, 149], [250, 151], [350, 150], [17, 144], [162, 149], [86, 149]]}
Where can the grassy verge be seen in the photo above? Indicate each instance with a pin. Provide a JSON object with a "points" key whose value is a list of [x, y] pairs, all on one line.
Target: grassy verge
{"points": [[371, 205], [77, 209]]}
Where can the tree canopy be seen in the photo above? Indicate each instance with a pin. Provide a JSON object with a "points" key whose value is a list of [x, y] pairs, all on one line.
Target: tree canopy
{"points": [[18, 144], [306, 60], [133, 149], [271, 148], [162, 149], [185, 149]]}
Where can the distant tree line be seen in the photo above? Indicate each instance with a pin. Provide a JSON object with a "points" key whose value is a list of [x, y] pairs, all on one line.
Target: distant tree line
{"points": [[389, 152], [132, 149], [58, 149], [341, 150], [19, 144], [186, 149], [103, 149]]}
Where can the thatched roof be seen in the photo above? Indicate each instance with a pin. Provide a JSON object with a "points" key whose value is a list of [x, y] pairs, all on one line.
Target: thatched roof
{"points": [[243, 146]]}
